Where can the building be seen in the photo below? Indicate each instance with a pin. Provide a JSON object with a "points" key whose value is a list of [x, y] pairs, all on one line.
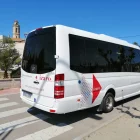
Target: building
{"points": [[16, 33], [20, 47], [19, 42], [2, 37]]}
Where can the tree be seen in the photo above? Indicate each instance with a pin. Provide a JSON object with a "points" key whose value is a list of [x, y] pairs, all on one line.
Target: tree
{"points": [[8, 55], [135, 43]]}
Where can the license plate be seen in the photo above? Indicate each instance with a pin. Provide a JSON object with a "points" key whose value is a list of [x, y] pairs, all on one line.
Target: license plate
{"points": [[27, 94]]}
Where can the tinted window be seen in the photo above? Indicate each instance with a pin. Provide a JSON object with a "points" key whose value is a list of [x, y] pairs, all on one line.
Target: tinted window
{"points": [[95, 56], [126, 61], [40, 48], [77, 51], [135, 61]]}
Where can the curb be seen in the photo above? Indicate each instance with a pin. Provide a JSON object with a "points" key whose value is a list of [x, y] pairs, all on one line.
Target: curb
{"points": [[86, 134]]}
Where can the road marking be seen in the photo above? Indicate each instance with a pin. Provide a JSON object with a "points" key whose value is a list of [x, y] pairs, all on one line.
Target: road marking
{"points": [[8, 104], [3, 99], [48, 133], [13, 112], [8, 94], [22, 122]]}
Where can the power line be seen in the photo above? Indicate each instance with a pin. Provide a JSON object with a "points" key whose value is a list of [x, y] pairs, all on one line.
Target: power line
{"points": [[129, 36]]}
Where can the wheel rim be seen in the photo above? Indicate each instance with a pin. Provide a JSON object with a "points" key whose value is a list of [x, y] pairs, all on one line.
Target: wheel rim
{"points": [[109, 103]]}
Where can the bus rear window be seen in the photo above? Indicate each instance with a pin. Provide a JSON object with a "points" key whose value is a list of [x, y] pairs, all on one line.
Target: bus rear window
{"points": [[39, 51]]}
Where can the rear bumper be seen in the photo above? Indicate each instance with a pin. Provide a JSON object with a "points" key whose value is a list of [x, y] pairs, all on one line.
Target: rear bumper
{"points": [[42, 103], [42, 107], [59, 106]]}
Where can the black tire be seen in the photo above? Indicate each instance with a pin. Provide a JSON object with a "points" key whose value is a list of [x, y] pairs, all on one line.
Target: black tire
{"points": [[108, 103]]}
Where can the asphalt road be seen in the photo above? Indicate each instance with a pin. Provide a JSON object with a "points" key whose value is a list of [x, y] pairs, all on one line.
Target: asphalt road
{"points": [[19, 121]]}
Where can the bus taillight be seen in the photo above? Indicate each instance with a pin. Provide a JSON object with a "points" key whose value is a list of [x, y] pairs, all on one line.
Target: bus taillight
{"points": [[38, 28], [59, 86]]}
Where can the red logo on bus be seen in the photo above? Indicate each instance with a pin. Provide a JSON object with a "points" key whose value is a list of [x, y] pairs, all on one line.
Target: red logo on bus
{"points": [[96, 88], [43, 78]]}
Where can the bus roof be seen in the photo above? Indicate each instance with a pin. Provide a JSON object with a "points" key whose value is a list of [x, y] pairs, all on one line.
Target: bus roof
{"points": [[102, 37]]}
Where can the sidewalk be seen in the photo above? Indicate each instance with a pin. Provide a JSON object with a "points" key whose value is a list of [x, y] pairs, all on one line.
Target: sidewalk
{"points": [[127, 127], [10, 91]]}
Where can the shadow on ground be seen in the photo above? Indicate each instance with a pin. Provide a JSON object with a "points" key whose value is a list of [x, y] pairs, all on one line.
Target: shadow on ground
{"points": [[68, 118], [74, 117], [127, 109]]}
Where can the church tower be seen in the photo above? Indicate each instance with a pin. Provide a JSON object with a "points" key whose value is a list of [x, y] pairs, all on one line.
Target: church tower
{"points": [[16, 29]]}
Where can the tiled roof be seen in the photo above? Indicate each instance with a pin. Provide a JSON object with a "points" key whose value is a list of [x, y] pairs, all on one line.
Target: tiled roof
{"points": [[18, 39]]}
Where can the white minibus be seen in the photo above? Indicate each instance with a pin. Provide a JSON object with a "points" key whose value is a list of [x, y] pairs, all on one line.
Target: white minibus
{"points": [[66, 69]]}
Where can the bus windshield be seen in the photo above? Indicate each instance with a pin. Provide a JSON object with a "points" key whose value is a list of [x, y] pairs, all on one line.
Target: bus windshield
{"points": [[39, 51]]}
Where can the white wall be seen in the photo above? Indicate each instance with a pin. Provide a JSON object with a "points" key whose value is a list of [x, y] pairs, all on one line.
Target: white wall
{"points": [[20, 47], [2, 37]]}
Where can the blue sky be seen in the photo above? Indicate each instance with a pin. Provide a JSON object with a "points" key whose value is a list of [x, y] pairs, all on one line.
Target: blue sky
{"points": [[117, 18]]}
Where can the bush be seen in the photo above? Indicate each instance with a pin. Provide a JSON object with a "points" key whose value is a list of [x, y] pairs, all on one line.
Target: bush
{"points": [[16, 73]]}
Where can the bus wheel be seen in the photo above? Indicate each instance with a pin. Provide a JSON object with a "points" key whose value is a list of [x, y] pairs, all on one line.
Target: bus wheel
{"points": [[108, 102]]}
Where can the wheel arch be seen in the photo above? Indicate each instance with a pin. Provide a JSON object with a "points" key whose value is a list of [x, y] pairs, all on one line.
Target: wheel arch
{"points": [[112, 91], [110, 88]]}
